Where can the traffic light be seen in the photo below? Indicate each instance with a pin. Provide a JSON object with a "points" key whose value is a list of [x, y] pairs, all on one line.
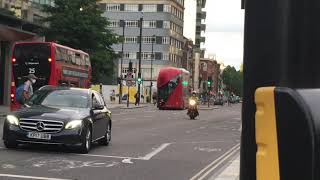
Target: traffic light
{"points": [[209, 83], [185, 83], [139, 80]]}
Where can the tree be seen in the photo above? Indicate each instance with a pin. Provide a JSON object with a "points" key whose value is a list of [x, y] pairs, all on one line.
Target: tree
{"points": [[80, 25], [233, 80]]}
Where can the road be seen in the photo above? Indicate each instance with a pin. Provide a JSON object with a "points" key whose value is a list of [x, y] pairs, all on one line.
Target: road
{"points": [[146, 144]]}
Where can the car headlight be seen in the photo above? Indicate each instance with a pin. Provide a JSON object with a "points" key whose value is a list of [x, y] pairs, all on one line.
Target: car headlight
{"points": [[13, 120], [192, 102], [73, 124]]}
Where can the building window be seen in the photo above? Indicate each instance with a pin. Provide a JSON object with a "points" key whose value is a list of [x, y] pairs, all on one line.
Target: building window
{"points": [[149, 24], [166, 24], [125, 70], [146, 55], [147, 40], [150, 8], [130, 55], [114, 23], [131, 40], [132, 23], [113, 7], [131, 7], [167, 8], [165, 40], [165, 56]]}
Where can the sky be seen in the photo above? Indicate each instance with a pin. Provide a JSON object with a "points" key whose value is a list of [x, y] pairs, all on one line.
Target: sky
{"points": [[224, 33]]}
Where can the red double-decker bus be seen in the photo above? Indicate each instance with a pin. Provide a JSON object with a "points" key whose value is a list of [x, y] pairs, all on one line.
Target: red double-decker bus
{"points": [[173, 88], [52, 63]]}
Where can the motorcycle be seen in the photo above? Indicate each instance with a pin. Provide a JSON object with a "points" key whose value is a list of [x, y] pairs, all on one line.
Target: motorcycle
{"points": [[192, 109]]}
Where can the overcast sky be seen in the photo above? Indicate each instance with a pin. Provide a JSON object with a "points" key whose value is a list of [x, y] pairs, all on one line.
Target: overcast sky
{"points": [[224, 34]]}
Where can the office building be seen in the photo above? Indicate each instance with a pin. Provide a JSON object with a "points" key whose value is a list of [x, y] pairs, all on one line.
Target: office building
{"points": [[162, 19]]}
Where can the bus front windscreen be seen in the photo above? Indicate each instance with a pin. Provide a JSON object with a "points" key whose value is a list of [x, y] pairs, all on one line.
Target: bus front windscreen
{"points": [[32, 58], [165, 91]]}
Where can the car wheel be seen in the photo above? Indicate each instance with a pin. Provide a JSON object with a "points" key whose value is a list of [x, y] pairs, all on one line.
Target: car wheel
{"points": [[107, 137], [86, 141], [10, 144]]}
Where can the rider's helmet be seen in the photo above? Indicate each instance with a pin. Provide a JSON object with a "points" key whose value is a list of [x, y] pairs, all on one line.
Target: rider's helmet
{"points": [[194, 93]]}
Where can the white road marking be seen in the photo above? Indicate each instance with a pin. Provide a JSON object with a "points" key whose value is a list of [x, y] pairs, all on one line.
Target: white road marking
{"points": [[207, 149], [232, 171], [104, 156], [156, 151], [218, 164], [199, 142], [8, 166], [208, 169], [29, 177], [127, 161], [236, 118]]}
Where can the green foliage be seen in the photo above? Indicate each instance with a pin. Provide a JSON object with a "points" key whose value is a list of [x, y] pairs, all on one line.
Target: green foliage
{"points": [[80, 25], [233, 80]]}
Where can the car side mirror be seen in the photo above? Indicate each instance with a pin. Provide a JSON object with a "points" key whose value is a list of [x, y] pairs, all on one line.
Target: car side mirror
{"points": [[98, 107]]}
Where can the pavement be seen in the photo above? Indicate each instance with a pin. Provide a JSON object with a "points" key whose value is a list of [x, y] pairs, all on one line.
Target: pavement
{"points": [[124, 106], [146, 144], [4, 110]]}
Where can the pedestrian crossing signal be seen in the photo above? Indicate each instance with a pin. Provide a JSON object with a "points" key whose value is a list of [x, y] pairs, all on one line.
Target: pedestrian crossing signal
{"points": [[185, 83]]}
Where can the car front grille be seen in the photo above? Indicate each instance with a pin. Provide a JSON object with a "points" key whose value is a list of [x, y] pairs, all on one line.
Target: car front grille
{"points": [[41, 125]]}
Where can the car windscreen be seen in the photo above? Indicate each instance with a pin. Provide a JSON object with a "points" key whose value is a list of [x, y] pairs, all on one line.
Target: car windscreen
{"points": [[60, 98], [32, 58]]}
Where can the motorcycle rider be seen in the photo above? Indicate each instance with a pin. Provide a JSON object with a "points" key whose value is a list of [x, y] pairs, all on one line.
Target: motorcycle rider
{"points": [[195, 98]]}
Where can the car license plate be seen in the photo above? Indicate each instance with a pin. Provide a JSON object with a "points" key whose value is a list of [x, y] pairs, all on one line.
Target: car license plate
{"points": [[36, 135]]}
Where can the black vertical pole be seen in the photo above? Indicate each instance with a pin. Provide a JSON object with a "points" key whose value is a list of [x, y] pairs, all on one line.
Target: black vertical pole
{"points": [[140, 56], [121, 77], [281, 51]]}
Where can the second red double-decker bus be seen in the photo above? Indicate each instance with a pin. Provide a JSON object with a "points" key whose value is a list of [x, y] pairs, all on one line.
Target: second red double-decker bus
{"points": [[52, 63], [173, 88]]}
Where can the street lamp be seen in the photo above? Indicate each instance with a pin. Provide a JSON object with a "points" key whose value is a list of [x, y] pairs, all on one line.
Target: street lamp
{"points": [[152, 56], [122, 23]]}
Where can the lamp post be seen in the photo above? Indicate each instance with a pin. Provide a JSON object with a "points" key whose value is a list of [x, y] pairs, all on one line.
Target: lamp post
{"points": [[122, 22], [140, 56], [152, 56]]}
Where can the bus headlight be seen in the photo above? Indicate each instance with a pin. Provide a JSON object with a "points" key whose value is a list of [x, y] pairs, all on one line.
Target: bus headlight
{"points": [[192, 102], [12, 120], [73, 124]]}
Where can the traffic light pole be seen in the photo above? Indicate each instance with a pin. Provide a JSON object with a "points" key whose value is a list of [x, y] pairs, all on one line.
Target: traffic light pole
{"points": [[140, 56]]}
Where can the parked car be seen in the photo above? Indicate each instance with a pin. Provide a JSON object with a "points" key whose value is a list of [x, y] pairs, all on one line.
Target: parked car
{"points": [[60, 116], [219, 101]]}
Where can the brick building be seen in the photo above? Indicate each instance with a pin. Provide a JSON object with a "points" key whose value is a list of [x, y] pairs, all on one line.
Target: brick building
{"points": [[209, 68]]}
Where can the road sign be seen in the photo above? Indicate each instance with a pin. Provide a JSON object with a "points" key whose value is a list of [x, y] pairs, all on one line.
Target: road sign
{"points": [[129, 79], [130, 83]]}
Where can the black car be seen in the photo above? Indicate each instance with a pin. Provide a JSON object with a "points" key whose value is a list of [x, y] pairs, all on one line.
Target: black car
{"points": [[60, 116]]}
